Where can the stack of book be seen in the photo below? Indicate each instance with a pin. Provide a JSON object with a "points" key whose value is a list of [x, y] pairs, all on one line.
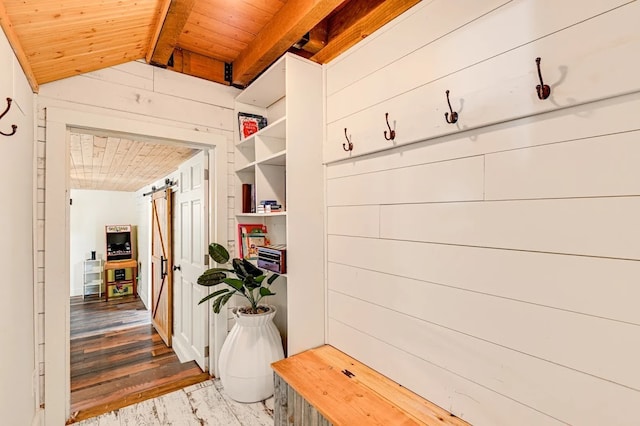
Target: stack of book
{"points": [[269, 206]]}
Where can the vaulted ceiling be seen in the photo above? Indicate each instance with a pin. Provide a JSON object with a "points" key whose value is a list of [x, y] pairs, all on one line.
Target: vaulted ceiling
{"points": [[226, 41]]}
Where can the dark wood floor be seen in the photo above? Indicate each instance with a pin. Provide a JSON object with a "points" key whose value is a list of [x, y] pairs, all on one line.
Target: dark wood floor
{"points": [[118, 359]]}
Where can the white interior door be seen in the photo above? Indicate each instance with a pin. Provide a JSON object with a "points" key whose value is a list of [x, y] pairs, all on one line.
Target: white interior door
{"points": [[191, 333]]}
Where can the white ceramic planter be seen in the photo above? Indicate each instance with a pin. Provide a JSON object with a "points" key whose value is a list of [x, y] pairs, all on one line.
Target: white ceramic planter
{"points": [[246, 356]]}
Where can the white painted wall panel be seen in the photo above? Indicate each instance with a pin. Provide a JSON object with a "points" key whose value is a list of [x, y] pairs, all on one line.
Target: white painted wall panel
{"points": [[470, 401], [362, 221], [123, 77], [600, 287], [603, 227], [559, 338], [599, 166], [138, 101], [503, 88], [403, 322], [472, 44], [599, 118], [431, 19], [518, 301], [458, 180], [187, 87], [19, 392]]}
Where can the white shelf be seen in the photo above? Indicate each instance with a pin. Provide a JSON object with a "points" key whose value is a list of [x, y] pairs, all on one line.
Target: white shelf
{"points": [[268, 88], [261, 214], [277, 159], [93, 274], [283, 162]]}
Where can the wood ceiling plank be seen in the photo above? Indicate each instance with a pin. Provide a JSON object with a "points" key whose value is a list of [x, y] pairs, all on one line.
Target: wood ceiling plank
{"points": [[288, 26], [360, 28], [85, 40], [83, 19], [205, 47], [175, 20], [88, 6], [16, 45], [242, 15]]}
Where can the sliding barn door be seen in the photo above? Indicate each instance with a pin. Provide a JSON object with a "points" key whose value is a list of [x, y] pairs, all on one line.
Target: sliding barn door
{"points": [[161, 261]]}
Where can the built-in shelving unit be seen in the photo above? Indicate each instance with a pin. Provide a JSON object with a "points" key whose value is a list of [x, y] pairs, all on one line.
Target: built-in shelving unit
{"points": [[93, 277], [283, 162]]}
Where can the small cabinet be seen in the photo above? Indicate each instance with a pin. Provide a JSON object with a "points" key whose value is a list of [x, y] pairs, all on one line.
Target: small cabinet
{"points": [[93, 277]]}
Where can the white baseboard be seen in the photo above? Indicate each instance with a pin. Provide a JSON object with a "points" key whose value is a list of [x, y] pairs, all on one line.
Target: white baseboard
{"points": [[180, 349]]}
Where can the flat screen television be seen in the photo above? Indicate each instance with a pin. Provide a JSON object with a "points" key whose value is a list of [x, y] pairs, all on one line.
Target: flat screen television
{"points": [[119, 244]]}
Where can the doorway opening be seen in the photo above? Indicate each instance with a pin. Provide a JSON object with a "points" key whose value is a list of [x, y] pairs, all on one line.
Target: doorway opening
{"points": [[59, 121], [121, 295]]}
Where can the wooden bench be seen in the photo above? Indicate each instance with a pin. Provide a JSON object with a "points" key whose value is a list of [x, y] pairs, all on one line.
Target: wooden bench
{"points": [[324, 386]]}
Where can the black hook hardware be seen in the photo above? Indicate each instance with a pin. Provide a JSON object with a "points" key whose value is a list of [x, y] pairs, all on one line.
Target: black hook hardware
{"points": [[347, 146], [13, 126], [543, 89], [392, 133], [454, 115]]}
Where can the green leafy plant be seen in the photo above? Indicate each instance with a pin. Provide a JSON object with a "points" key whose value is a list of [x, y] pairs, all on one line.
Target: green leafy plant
{"points": [[250, 281]]}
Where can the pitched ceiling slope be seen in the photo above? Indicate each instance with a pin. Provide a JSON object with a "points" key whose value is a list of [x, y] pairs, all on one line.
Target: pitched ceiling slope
{"points": [[229, 42]]}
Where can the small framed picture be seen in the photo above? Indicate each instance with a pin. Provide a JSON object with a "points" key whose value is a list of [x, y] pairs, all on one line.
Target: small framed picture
{"points": [[250, 124]]}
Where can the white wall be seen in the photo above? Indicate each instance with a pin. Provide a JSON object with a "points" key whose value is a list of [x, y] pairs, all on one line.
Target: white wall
{"points": [[492, 265], [133, 96], [18, 374], [90, 212]]}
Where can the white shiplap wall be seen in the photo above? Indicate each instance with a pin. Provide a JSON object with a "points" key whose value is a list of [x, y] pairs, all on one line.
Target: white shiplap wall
{"points": [[492, 265], [133, 91], [19, 394]]}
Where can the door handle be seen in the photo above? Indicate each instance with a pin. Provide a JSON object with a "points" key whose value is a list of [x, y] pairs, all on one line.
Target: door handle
{"points": [[177, 268], [163, 269]]}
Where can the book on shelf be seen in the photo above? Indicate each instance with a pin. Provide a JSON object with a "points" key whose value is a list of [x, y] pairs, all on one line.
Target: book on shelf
{"points": [[250, 237], [247, 190], [269, 206]]}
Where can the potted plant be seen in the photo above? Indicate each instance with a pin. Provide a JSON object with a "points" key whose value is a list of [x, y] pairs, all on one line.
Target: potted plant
{"points": [[254, 341]]}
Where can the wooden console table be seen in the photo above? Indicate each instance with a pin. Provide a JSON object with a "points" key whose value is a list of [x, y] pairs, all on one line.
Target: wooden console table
{"points": [[121, 264]]}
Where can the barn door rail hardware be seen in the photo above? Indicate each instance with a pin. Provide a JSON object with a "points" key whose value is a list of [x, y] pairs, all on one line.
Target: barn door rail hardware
{"points": [[543, 89], [454, 115], [347, 146], [13, 126], [392, 133], [168, 183]]}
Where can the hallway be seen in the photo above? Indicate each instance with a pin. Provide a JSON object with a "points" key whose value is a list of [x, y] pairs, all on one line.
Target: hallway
{"points": [[118, 359]]}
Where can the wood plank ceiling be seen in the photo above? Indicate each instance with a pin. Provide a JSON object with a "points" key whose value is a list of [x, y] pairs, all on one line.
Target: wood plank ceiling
{"points": [[225, 41], [120, 164], [56, 39]]}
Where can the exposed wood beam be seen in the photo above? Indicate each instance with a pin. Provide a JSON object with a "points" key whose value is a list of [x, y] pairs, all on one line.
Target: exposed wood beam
{"points": [[317, 37], [172, 26], [359, 21], [7, 27], [162, 15], [197, 65], [288, 26]]}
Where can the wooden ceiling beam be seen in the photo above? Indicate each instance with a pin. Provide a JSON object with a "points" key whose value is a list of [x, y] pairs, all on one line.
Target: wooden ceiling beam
{"points": [[318, 37], [197, 65], [288, 26], [7, 27], [168, 30], [357, 20]]}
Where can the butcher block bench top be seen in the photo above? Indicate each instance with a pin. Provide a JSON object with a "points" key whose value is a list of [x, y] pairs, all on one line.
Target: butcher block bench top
{"points": [[347, 392]]}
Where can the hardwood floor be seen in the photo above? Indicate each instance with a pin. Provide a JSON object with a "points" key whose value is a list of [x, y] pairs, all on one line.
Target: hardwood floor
{"points": [[118, 359]]}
